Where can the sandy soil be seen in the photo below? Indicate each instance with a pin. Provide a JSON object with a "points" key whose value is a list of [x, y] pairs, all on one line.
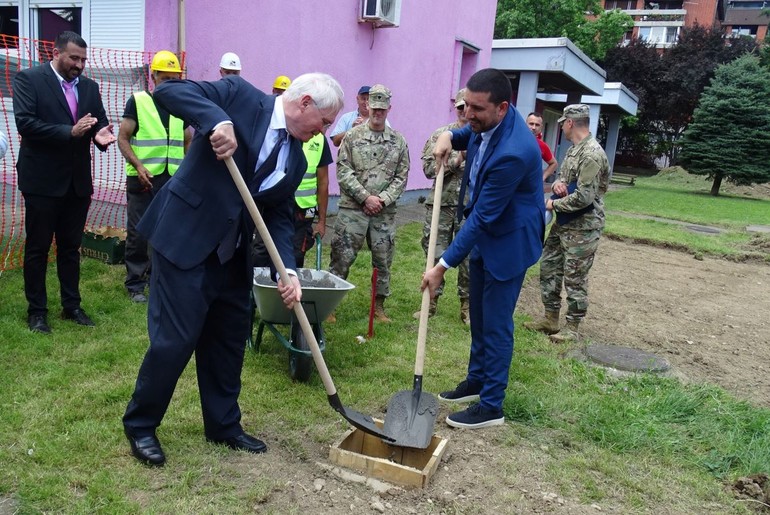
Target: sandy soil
{"points": [[708, 318]]}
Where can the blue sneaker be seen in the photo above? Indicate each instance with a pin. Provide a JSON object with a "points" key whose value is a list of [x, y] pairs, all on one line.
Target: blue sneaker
{"points": [[465, 392], [476, 417]]}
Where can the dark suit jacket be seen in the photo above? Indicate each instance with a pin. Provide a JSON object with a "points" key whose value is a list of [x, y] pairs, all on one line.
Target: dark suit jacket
{"points": [[191, 215], [50, 159], [505, 220]]}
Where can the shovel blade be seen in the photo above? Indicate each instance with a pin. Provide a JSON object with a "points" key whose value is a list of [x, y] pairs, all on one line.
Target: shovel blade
{"points": [[410, 418], [358, 420]]}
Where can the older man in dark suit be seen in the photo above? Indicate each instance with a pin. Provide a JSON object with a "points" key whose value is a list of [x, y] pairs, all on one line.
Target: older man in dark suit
{"points": [[503, 234], [58, 113], [200, 232]]}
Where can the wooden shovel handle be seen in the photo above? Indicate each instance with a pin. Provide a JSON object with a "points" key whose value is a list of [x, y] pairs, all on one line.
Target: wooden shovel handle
{"points": [[422, 330], [304, 323]]}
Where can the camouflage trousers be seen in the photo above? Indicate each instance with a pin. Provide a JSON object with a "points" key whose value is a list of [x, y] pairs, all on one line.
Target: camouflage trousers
{"points": [[567, 258], [351, 229], [448, 227]]}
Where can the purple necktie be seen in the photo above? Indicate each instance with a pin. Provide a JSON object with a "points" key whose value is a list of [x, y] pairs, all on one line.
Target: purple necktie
{"points": [[69, 94]]}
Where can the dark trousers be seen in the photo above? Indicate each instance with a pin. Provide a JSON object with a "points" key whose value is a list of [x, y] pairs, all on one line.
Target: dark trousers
{"points": [[137, 256], [204, 310], [303, 241], [492, 303], [45, 218]]}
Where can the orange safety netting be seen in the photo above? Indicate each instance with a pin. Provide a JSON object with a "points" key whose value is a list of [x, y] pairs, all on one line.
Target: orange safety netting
{"points": [[119, 73]]}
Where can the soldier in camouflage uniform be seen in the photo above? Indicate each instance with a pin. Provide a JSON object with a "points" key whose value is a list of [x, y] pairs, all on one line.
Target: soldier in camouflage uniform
{"points": [[448, 225], [569, 250], [372, 169]]}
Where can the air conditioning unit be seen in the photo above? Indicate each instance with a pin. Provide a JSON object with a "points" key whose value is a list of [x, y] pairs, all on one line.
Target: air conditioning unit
{"points": [[382, 13]]}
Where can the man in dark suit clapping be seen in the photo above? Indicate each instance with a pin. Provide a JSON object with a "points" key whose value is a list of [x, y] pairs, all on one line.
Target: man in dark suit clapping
{"points": [[200, 232], [58, 113]]}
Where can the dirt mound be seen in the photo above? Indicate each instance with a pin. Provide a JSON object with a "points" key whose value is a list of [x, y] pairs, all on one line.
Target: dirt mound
{"points": [[755, 487]]}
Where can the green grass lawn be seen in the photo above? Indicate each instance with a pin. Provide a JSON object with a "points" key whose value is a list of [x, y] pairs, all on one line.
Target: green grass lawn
{"points": [[682, 197], [631, 440]]}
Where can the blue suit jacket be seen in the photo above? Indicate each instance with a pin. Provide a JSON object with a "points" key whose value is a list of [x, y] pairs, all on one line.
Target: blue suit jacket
{"points": [[191, 215], [505, 220]]}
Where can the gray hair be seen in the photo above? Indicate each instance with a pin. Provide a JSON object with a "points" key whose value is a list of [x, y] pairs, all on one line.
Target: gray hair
{"points": [[322, 88]]}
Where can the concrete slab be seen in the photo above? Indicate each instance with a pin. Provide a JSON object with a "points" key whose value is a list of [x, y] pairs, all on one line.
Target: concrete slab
{"points": [[758, 228], [704, 229], [625, 358]]}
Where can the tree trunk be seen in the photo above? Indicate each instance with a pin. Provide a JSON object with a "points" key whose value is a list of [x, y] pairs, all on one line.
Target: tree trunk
{"points": [[717, 184]]}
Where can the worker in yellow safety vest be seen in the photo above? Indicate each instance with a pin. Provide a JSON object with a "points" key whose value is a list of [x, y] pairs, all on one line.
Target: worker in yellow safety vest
{"points": [[312, 196], [153, 144]]}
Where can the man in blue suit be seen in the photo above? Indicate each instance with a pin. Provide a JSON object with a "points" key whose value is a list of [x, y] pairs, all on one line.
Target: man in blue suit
{"points": [[200, 233], [503, 234]]}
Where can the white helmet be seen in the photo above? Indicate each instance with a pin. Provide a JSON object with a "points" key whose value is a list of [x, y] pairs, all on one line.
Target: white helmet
{"points": [[230, 61]]}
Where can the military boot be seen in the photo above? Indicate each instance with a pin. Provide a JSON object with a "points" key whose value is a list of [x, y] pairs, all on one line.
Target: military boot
{"points": [[431, 309], [569, 333], [465, 311], [379, 309], [547, 325]]}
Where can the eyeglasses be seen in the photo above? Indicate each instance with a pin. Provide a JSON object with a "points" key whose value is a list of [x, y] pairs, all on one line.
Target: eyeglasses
{"points": [[326, 122]]}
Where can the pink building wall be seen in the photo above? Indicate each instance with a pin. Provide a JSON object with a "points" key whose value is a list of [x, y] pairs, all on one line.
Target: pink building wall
{"points": [[421, 61]]}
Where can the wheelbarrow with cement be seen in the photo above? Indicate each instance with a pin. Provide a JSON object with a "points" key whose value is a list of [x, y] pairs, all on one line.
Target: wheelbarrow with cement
{"points": [[321, 294]]}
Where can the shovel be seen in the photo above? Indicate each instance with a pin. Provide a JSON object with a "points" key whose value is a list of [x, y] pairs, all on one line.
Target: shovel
{"points": [[412, 414], [359, 420]]}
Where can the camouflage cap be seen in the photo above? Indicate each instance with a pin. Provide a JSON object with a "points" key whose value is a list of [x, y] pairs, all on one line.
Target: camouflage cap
{"points": [[460, 98], [574, 111], [379, 97]]}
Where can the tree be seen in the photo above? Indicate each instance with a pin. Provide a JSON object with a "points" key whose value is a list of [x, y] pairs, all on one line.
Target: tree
{"points": [[594, 34], [688, 68], [670, 84], [729, 137]]}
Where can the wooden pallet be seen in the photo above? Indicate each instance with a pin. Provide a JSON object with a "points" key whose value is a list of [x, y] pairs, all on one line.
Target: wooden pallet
{"points": [[623, 178]]}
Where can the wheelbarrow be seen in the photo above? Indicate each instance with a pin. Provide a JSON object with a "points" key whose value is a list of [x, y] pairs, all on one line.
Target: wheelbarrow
{"points": [[322, 292]]}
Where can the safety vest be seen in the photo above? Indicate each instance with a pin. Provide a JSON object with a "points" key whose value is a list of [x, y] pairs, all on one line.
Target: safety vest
{"points": [[306, 195], [155, 147]]}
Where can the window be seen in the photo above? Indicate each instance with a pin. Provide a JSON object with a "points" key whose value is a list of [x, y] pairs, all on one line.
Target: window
{"points": [[659, 35], [620, 4], [9, 25], [51, 22], [744, 30], [466, 62], [747, 4]]}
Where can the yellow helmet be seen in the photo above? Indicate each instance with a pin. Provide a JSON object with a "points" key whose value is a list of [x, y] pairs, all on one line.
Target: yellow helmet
{"points": [[165, 61], [282, 82]]}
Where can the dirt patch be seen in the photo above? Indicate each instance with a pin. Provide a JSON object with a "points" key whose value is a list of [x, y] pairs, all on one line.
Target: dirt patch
{"points": [[707, 317], [753, 488]]}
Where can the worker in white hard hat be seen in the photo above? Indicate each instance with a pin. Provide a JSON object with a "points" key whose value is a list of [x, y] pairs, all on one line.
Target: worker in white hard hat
{"points": [[230, 64]]}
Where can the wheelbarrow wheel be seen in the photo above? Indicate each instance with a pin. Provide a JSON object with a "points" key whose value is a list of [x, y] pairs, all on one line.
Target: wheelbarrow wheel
{"points": [[300, 365]]}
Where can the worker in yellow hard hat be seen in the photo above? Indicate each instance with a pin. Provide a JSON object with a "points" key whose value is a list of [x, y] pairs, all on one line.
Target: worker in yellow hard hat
{"points": [[280, 84], [153, 144]]}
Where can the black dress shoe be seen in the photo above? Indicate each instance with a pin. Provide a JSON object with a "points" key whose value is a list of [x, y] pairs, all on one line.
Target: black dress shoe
{"points": [[243, 442], [147, 450], [78, 316], [38, 324]]}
